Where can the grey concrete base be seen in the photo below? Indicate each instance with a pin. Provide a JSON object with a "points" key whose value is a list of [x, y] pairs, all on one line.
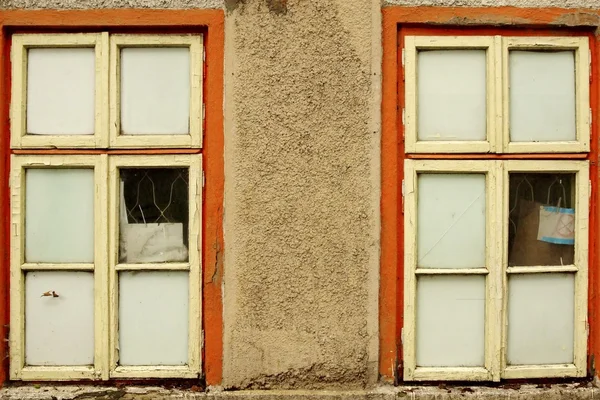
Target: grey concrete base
{"points": [[577, 391]]}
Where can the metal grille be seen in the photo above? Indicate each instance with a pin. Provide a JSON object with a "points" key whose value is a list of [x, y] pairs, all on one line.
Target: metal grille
{"points": [[156, 195]]}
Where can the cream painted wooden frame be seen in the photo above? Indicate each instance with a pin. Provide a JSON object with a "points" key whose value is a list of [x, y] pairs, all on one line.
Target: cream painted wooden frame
{"points": [[18, 267], [195, 44], [491, 368], [492, 45], [580, 268], [194, 163], [580, 45], [18, 109]]}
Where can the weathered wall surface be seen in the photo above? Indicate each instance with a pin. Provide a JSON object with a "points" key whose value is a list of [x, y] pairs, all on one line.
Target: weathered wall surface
{"points": [[302, 107], [86, 4], [301, 230], [497, 3], [571, 391], [302, 95]]}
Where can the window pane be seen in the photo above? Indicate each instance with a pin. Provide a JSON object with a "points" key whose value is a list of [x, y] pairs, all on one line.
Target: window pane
{"points": [[451, 86], [153, 318], [541, 225], [155, 91], [542, 96], [540, 319], [59, 318], [154, 215], [60, 91], [59, 215], [451, 221], [450, 321]]}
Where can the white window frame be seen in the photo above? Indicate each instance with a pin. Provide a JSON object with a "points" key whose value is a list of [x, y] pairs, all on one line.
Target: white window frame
{"points": [[18, 369], [580, 45], [497, 209], [491, 368], [193, 266], [412, 45], [18, 110], [498, 107], [580, 268], [195, 45]]}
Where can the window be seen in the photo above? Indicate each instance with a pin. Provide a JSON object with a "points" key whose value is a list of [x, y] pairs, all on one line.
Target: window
{"points": [[495, 247], [106, 243], [478, 94]]}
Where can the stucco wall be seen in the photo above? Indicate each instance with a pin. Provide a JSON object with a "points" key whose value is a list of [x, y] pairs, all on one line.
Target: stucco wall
{"points": [[301, 213]]}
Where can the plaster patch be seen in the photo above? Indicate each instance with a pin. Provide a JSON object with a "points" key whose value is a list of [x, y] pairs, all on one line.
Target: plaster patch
{"points": [[301, 229]]}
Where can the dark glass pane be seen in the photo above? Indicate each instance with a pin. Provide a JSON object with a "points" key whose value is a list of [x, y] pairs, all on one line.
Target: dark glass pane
{"points": [[154, 215], [541, 221]]}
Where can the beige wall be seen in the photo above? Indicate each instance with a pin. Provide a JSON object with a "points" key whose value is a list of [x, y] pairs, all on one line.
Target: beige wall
{"points": [[301, 195], [302, 95]]}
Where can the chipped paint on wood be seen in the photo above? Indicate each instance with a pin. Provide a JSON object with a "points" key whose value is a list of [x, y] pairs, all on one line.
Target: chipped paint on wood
{"points": [[194, 164], [19, 164], [20, 44], [194, 138]]}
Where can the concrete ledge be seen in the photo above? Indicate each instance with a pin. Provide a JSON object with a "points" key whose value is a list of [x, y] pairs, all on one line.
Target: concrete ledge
{"points": [[572, 391]]}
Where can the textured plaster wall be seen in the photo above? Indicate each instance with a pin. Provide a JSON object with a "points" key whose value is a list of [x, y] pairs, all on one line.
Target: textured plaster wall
{"points": [[498, 3], [85, 4], [301, 203]]}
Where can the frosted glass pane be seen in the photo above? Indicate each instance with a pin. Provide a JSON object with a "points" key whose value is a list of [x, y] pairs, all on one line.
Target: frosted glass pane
{"points": [[451, 90], [451, 221], [542, 96], [155, 90], [60, 91], [59, 215], [540, 319], [59, 328], [153, 318], [450, 321]]}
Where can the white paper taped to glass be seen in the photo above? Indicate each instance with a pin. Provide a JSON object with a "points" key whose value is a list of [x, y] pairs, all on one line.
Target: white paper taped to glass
{"points": [[150, 242], [557, 225]]}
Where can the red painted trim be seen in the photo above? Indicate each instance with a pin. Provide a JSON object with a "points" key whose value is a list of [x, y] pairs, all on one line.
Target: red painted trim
{"points": [[213, 244], [489, 17], [399, 21], [389, 297], [106, 19], [211, 23]]}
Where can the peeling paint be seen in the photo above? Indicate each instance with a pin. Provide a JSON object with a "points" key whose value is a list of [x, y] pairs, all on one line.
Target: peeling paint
{"points": [[579, 19]]}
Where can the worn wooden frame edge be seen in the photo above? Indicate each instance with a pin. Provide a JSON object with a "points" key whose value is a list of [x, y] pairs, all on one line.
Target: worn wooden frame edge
{"points": [[491, 353], [411, 46], [581, 46], [580, 268], [18, 369], [196, 46], [194, 164], [18, 108]]}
